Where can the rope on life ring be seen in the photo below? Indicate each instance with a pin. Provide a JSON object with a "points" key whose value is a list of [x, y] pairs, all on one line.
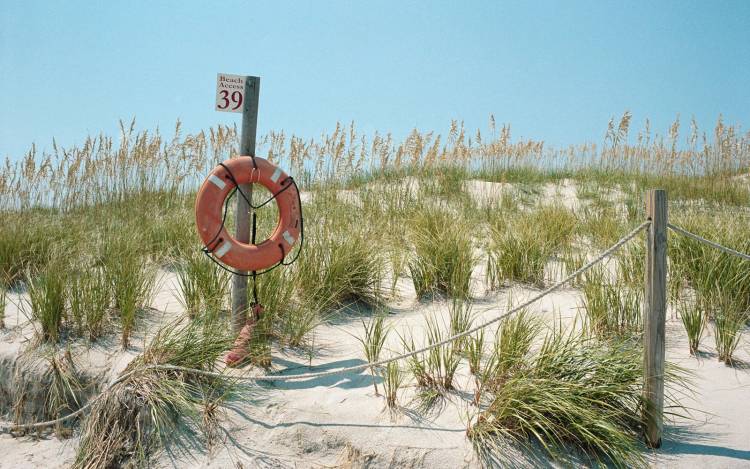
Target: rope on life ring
{"points": [[210, 215]]}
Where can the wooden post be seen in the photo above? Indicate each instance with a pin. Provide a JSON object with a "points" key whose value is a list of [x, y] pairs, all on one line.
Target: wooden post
{"points": [[242, 231], [654, 316]]}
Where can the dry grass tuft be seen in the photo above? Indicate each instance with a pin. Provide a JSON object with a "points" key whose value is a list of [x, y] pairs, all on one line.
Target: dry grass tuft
{"points": [[150, 409]]}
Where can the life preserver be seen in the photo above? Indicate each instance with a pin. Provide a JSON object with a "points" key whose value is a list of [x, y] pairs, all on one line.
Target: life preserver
{"points": [[209, 206]]}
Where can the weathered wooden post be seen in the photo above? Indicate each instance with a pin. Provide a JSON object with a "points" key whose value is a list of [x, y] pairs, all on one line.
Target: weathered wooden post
{"points": [[242, 229], [654, 316], [229, 99]]}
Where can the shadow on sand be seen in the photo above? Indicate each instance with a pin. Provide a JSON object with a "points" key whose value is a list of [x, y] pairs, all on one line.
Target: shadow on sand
{"points": [[351, 380], [690, 440]]}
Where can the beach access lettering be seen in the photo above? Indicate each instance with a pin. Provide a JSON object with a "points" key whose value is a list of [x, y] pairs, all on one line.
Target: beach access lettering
{"points": [[230, 92]]}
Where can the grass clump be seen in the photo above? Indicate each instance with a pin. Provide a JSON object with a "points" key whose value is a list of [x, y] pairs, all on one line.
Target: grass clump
{"points": [[516, 254], [375, 335], [442, 362], [730, 317], [65, 388], [611, 310], [474, 351], [90, 301], [46, 385], [443, 260], [433, 369], [573, 392], [461, 320], [703, 267], [48, 296], [170, 231], [133, 280], [632, 263], [149, 409], [297, 323], [292, 319], [474, 354], [513, 340], [204, 285], [603, 224], [12, 263], [393, 378], [338, 268], [521, 246], [26, 240], [416, 363], [695, 321]]}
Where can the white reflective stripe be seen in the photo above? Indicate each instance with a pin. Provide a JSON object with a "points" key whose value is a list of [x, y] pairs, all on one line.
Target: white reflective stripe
{"points": [[223, 249], [219, 183], [276, 175], [288, 238]]}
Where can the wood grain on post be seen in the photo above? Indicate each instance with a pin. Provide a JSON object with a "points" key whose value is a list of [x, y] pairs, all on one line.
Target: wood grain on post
{"points": [[242, 229], [654, 317]]}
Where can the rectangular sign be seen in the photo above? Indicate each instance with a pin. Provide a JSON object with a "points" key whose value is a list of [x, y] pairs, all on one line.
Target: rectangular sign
{"points": [[230, 92]]}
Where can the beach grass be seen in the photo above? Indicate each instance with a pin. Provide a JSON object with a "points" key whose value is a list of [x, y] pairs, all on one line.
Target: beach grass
{"points": [[150, 409], [380, 210]]}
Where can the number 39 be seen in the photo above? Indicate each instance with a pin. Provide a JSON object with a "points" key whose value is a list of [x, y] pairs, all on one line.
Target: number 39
{"points": [[236, 99]]}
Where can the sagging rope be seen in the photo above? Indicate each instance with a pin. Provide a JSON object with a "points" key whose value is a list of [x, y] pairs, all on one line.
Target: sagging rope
{"points": [[357, 368], [713, 244]]}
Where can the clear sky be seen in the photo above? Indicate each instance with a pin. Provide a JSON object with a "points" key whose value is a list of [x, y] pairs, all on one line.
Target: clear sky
{"points": [[555, 70]]}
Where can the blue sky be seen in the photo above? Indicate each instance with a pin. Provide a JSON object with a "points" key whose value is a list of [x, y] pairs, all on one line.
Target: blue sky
{"points": [[555, 70]]}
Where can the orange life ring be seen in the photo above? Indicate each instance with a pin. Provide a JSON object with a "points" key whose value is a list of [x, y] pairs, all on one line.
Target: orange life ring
{"points": [[209, 206]]}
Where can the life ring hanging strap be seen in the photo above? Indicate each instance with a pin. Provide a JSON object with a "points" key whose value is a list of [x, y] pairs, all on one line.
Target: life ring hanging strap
{"points": [[255, 274], [256, 207]]}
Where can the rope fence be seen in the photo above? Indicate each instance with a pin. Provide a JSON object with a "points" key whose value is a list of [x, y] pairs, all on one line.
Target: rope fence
{"points": [[7, 426], [703, 240]]}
